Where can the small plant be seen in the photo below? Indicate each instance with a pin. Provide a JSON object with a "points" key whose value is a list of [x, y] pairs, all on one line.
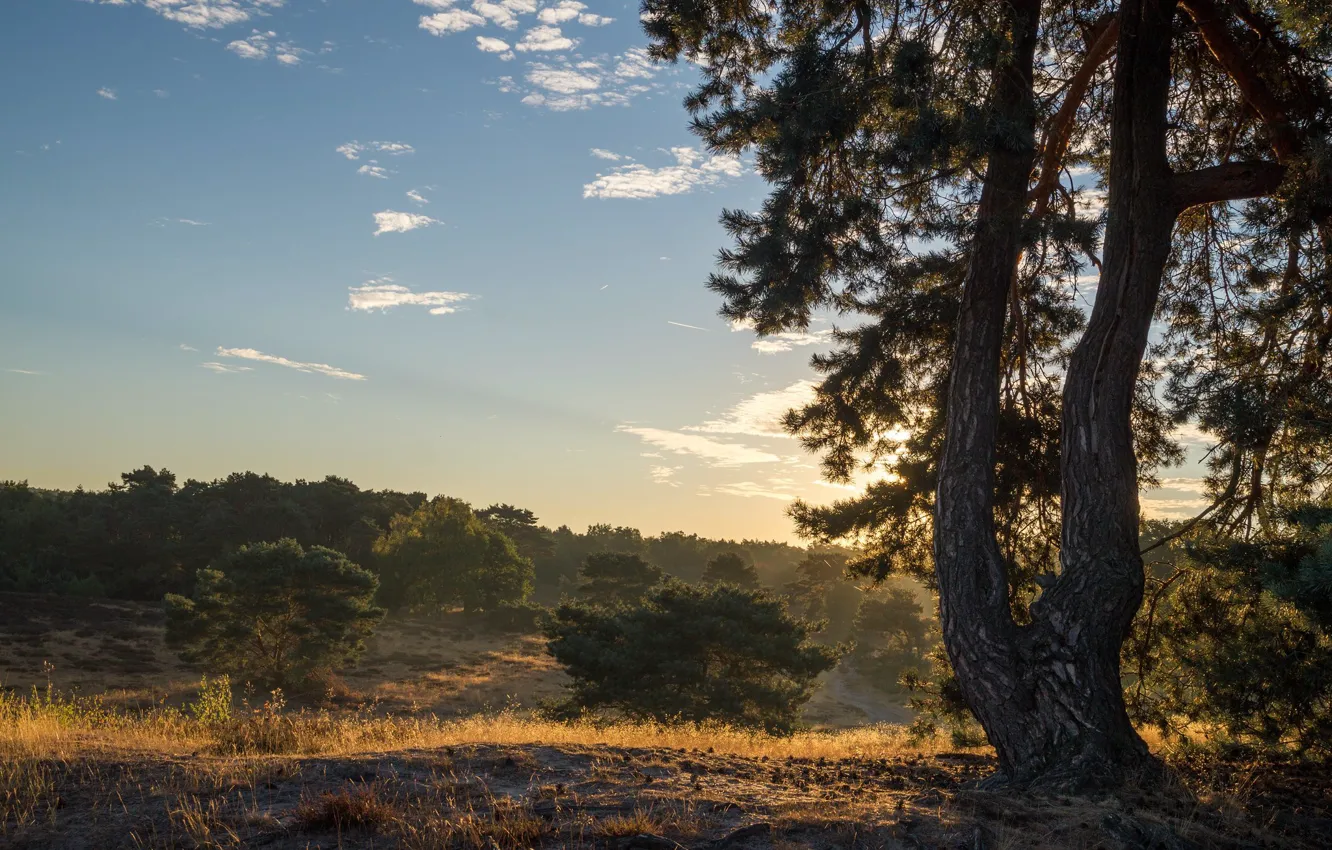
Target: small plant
{"points": [[213, 705], [265, 730]]}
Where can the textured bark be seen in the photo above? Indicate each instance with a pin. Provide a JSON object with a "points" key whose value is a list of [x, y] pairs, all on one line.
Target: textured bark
{"points": [[1049, 693], [979, 632], [1232, 181]]}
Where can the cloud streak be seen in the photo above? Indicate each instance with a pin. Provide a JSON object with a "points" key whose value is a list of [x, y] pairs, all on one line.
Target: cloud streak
{"points": [[354, 149], [715, 452], [300, 366], [383, 294], [692, 170], [761, 414]]}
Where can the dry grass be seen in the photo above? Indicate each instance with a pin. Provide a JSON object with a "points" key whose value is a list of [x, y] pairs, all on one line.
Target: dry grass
{"points": [[50, 725], [357, 808]]}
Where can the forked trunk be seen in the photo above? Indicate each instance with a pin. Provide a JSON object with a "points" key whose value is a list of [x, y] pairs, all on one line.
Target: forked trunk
{"points": [[1049, 694]]}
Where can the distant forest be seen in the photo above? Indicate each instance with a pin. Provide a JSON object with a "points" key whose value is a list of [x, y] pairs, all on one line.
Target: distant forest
{"points": [[148, 534]]}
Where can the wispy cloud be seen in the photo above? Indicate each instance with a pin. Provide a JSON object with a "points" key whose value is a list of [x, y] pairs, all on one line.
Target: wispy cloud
{"points": [[415, 196], [451, 21], [109, 94], [783, 341], [715, 452], [382, 293], [210, 14], [354, 149], [184, 347], [665, 475], [392, 221], [486, 44], [562, 84], [571, 10], [692, 170], [163, 221], [1156, 508], [259, 45], [1187, 485], [25, 372], [374, 169], [317, 368], [761, 414], [752, 489], [683, 325], [448, 18], [224, 368], [601, 153]]}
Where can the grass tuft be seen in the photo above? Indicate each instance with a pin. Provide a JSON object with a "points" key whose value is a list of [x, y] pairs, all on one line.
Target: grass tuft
{"points": [[355, 808]]}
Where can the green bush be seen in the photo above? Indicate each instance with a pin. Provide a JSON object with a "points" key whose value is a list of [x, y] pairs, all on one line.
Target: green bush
{"points": [[275, 613], [523, 617], [1239, 640], [691, 654], [442, 555]]}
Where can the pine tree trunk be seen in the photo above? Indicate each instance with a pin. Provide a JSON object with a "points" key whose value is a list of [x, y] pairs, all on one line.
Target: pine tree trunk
{"points": [[1049, 693]]}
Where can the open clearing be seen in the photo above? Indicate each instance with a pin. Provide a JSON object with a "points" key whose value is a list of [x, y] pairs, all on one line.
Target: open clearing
{"points": [[414, 750]]}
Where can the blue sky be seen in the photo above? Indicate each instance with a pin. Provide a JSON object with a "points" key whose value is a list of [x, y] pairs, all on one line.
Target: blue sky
{"points": [[448, 245]]}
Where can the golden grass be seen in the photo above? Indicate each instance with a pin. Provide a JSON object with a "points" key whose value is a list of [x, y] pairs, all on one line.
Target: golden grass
{"points": [[46, 724]]}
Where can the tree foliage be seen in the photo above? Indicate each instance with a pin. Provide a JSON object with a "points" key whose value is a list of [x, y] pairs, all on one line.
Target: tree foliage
{"points": [[691, 653], [929, 168], [275, 613], [1240, 639], [731, 568], [147, 535], [442, 555], [892, 636], [617, 578]]}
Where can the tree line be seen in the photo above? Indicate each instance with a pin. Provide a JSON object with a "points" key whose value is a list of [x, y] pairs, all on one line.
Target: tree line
{"points": [[148, 535]]}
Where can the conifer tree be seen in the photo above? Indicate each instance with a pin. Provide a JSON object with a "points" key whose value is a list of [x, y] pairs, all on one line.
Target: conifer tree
{"points": [[442, 554], [617, 577], [731, 568], [275, 612], [921, 160], [690, 653]]}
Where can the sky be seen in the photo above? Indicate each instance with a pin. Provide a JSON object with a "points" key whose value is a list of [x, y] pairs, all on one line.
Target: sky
{"points": [[456, 246]]}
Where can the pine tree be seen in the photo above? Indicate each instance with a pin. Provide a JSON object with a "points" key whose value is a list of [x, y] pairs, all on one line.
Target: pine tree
{"points": [[615, 577], [731, 568], [947, 233], [275, 612], [442, 555], [690, 654]]}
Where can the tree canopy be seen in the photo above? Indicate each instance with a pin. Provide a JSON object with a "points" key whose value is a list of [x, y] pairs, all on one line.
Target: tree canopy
{"points": [[689, 653], [616, 577], [442, 554], [731, 568], [944, 176], [275, 612]]}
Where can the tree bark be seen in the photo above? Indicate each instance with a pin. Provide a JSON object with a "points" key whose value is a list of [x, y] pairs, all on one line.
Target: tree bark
{"points": [[979, 632], [1049, 694]]}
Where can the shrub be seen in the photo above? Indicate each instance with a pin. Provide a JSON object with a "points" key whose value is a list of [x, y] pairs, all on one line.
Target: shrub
{"points": [[442, 555], [690, 654], [1239, 640], [275, 613]]}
